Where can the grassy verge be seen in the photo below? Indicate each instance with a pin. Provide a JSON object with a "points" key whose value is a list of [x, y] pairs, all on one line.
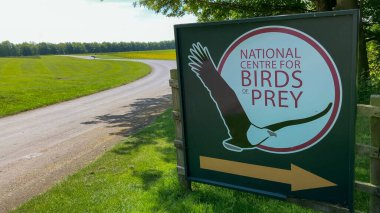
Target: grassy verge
{"points": [[154, 54], [28, 83], [362, 163], [139, 175]]}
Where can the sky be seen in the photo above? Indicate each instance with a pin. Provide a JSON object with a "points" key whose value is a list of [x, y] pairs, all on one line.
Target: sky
{"points": [[83, 21]]}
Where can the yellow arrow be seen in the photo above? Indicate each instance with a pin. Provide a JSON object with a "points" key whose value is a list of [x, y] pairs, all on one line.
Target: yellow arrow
{"points": [[298, 178]]}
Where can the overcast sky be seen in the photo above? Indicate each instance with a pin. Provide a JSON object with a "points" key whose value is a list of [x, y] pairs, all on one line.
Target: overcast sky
{"points": [[83, 21]]}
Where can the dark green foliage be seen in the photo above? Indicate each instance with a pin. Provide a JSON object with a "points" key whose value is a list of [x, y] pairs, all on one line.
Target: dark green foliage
{"points": [[216, 10], [28, 49], [226, 10], [370, 11], [374, 65]]}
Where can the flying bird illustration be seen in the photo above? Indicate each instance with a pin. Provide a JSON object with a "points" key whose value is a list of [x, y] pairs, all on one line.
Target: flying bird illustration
{"points": [[243, 134]]}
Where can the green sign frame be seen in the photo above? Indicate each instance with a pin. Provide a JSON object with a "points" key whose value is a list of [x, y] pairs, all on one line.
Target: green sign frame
{"points": [[269, 104]]}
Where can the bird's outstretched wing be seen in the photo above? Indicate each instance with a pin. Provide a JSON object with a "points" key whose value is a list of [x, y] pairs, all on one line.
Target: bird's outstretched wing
{"points": [[227, 102]]}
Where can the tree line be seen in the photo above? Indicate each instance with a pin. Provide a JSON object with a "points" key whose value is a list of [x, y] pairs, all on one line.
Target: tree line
{"points": [[31, 49]]}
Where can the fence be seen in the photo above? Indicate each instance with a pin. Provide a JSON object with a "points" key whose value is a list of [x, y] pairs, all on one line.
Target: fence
{"points": [[372, 151]]}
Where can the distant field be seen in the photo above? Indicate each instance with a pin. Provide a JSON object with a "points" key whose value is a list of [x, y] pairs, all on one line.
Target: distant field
{"points": [[153, 54], [28, 83]]}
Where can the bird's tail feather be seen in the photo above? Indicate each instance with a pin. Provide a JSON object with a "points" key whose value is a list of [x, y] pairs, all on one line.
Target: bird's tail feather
{"points": [[280, 125]]}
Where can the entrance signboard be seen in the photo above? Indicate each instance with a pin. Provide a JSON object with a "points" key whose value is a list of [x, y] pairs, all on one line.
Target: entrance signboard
{"points": [[268, 104]]}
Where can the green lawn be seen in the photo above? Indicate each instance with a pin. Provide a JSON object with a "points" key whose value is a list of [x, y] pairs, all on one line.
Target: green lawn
{"points": [[154, 54], [362, 162], [31, 82], [139, 175]]}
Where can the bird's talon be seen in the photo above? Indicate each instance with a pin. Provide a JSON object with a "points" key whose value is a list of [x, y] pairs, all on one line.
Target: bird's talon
{"points": [[271, 133]]}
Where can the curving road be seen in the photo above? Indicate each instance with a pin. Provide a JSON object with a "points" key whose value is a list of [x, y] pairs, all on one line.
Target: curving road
{"points": [[40, 147]]}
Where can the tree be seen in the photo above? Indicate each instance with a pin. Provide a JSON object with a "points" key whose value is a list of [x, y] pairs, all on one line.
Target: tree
{"points": [[43, 48], [6, 48], [28, 49], [216, 10]]}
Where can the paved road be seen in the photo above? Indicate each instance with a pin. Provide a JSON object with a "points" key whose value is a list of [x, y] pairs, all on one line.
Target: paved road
{"points": [[40, 147]]}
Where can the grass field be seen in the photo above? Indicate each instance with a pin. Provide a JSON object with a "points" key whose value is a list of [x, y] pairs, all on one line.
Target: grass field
{"points": [[28, 83], [139, 175], [362, 163], [154, 54]]}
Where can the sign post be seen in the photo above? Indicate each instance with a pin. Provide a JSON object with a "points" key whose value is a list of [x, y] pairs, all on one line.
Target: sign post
{"points": [[268, 104]]}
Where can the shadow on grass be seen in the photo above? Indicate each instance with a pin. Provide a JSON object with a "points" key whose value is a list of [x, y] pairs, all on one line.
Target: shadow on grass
{"points": [[149, 177], [162, 129], [205, 198], [142, 112], [26, 57], [168, 153], [132, 144]]}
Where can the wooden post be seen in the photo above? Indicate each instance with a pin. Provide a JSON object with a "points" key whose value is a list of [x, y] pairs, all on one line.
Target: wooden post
{"points": [[178, 142], [375, 162]]}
